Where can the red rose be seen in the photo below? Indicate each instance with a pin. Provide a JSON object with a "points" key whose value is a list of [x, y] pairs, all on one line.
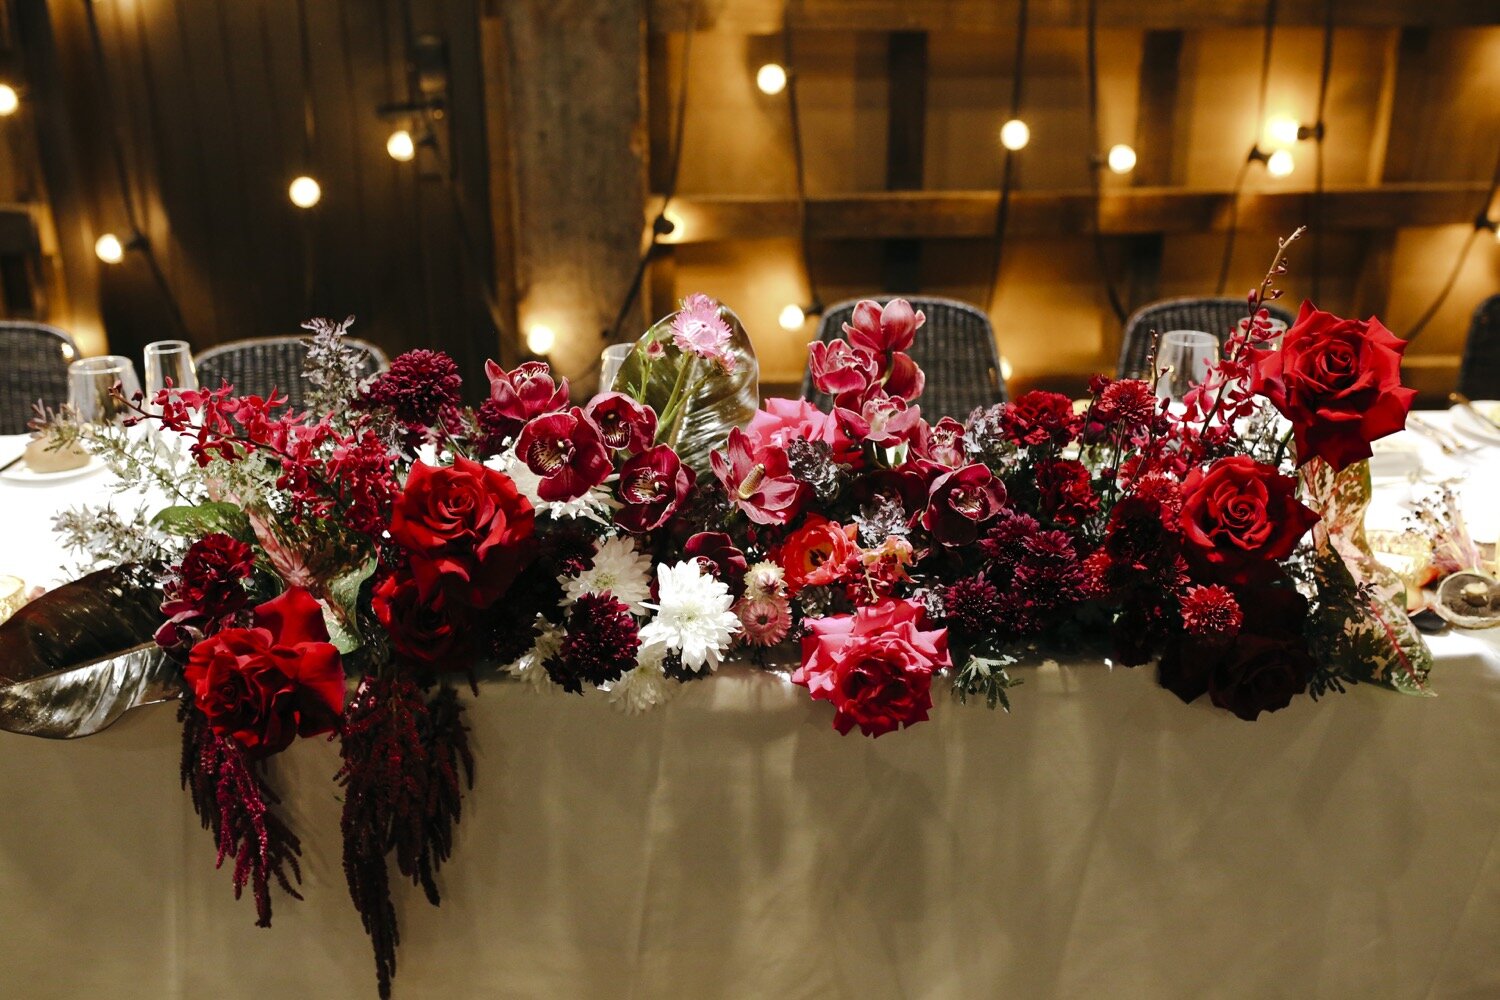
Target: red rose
{"points": [[1067, 491], [652, 486], [1239, 517], [466, 528], [1039, 418], [758, 480], [623, 423], [958, 502], [875, 666], [567, 451], [1339, 382], [266, 685], [427, 631], [816, 554]]}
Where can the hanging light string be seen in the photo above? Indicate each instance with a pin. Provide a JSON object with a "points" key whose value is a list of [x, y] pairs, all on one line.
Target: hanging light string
{"points": [[1482, 224], [1091, 60], [1008, 174], [799, 159], [1318, 133], [1255, 152], [137, 239], [661, 225]]}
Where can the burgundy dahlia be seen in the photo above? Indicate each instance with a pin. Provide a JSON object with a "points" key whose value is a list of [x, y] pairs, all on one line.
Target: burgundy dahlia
{"points": [[624, 424], [567, 451], [960, 501], [652, 486], [418, 386], [600, 645]]}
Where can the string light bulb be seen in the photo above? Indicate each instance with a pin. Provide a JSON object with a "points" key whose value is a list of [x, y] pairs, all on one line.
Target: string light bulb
{"points": [[1014, 135], [540, 339], [1121, 158], [1006, 371], [305, 192], [1280, 163], [401, 146], [771, 79], [109, 249], [1283, 131], [9, 99], [792, 317]]}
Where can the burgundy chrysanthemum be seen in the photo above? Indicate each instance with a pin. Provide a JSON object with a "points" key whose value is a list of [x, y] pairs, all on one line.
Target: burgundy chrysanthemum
{"points": [[1211, 611], [1129, 400], [971, 604], [417, 387], [601, 643], [1001, 544]]}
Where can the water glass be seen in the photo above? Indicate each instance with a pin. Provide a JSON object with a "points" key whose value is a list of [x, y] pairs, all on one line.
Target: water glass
{"points": [[611, 360], [89, 383], [169, 360], [1183, 358]]}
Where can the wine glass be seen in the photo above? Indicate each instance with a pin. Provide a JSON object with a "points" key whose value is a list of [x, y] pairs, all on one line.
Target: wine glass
{"points": [[90, 381], [610, 362], [1183, 358], [169, 360]]}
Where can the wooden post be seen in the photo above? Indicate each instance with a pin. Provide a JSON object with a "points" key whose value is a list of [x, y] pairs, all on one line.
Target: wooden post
{"points": [[905, 149]]}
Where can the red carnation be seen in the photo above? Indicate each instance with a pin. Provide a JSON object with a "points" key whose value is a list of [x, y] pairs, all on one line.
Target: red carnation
{"points": [[958, 502], [1239, 517], [567, 451], [266, 685], [206, 590], [652, 486], [1067, 491], [1039, 418], [466, 528], [624, 424], [758, 480], [1339, 383]]}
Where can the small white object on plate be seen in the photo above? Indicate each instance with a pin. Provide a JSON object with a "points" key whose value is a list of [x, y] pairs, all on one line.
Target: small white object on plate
{"points": [[23, 474]]}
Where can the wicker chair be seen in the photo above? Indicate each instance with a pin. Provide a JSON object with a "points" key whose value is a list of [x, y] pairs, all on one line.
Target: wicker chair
{"points": [[34, 361], [1479, 373], [955, 348], [259, 365], [1215, 316]]}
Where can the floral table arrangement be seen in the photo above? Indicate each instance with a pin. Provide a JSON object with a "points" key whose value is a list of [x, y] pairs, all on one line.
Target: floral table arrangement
{"points": [[343, 573]]}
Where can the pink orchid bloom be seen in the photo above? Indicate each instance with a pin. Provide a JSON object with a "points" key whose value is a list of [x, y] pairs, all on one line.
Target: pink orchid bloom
{"points": [[758, 480]]}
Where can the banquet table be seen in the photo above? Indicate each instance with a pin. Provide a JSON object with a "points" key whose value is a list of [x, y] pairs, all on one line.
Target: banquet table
{"points": [[1102, 840]]}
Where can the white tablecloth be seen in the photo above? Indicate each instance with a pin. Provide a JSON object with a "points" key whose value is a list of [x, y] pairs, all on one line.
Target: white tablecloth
{"points": [[1102, 841]]}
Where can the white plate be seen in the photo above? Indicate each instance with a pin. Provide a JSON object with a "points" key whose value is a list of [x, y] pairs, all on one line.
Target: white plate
{"points": [[1475, 427], [23, 474]]}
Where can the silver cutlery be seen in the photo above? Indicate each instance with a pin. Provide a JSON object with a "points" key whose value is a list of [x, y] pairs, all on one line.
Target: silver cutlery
{"points": [[1447, 442], [1467, 405]]}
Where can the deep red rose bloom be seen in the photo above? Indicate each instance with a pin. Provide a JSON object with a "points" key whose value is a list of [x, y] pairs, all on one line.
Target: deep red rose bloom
{"points": [[516, 396], [960, 501], [883, 330], [205, 591], [1039, 418], [816, 554], [718, 556], [623, 423], [1339, 382], [567, 451], [652, 486], [758, 480], [1067, 491], [1239, 517], [266, 685], [875, 666], [427, 631], [466, 528], [842, 371]]}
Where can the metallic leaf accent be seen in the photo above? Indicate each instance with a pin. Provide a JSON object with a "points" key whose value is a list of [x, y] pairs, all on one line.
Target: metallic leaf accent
{"points": [[722, 401], [77, 658]]}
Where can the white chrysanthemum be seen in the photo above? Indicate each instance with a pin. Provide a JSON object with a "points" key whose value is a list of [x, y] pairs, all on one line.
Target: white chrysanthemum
{"points": [[529, 668], [596, 505], [619, 568], [692, 615], [645, 687]]}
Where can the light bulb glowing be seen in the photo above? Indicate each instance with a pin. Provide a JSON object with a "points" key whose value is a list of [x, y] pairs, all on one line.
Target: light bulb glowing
{"points": [[400, 146], [540, 339], [771, 79], [677, 227], [1014, 135], [1006, 371], [305, 192], [109, 249], [9, 99], [1121, 158], [1281, 163], [792, 317], [1282, 130]]}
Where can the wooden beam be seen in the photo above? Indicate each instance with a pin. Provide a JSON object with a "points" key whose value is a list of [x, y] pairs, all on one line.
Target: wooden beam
{"points": [[765, 16], [502, 184], [971, 214], [1406, 128], [1156, 109], [905, 148]]}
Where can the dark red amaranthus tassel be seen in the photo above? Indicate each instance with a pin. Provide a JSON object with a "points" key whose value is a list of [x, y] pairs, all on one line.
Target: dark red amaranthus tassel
{"points": [[234, 803], [402, 795]]}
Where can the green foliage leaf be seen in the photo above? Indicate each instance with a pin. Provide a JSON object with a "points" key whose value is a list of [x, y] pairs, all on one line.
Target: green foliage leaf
{"points": [[203, 519], [342, 614], [984, 674]]}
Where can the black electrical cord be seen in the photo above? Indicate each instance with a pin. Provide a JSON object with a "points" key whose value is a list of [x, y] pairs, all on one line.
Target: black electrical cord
{"points": [[1482, 223], [137, 240], [799, 159], [1255, 154], [1101, 257], [1008, 169], [1318, 133]]}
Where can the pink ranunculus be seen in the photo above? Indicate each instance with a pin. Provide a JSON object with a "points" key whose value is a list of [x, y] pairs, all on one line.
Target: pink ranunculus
{"points": [[653, 485], [958, 502], [624, 424], [842, 371], [567, 451], [875, 666], [883, 331], [758, 480]]}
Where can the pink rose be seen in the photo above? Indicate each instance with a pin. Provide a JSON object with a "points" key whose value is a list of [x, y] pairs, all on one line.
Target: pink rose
{"points": [[781, 420]]}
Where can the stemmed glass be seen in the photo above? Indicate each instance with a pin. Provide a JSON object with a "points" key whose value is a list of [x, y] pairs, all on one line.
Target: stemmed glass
{"points": [[1183, 358], [89, 383], [610, 362], [169, 360]]}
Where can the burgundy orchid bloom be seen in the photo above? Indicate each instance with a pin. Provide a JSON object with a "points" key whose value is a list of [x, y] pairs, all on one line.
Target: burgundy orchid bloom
{"points": [[842, 371], [882, 420], [624, 423], [960, 501], [567, 451], [526, 391], [718, 556], [653, 485], [903, 378], [884, 331], [941, 443], [758, 480]]}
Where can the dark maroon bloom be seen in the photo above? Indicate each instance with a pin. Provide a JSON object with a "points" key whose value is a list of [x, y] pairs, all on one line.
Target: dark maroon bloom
{"points": [[1138, 537], [960, 501], [941, 443], [717, 555], [1066, 490], [625, 424], [1002, 542], [842, 371], [567, 451], [418, 386], [1039, 418], [971, 606], [600, 644], [205, 592], [516, 396], [426, 631], [652, 486], [881, 420], [758, 480]]}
